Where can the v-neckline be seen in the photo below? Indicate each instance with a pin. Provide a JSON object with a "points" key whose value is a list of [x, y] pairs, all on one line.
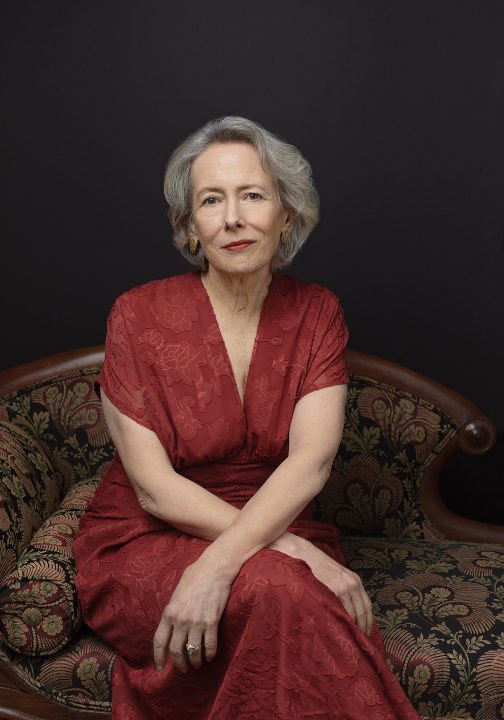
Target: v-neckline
{"points": [[241, 403]]}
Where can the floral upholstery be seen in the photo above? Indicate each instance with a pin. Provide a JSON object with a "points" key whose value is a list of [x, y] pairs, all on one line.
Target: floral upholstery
{"points": [[39, 607], [389, 440], [63, 417], [28, 491], [79, 676], [440, 606]]}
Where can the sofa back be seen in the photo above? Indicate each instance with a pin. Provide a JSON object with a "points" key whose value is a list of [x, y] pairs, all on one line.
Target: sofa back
{"points": [[53, 434], [390, 440]]}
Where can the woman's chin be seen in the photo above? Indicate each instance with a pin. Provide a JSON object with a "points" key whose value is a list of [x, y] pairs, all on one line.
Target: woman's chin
{"points": [[240, 264], [241, 269]]}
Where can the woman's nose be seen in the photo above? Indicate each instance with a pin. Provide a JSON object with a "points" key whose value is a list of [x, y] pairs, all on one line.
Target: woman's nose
{"points": [[233, 217]]}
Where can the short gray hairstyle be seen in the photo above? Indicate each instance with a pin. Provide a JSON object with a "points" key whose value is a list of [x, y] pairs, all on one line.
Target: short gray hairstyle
{"points": [[290, 171]]}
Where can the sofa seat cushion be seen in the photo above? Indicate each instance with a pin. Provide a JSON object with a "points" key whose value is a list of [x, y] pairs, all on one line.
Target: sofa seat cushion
{"points": [[440, 608], [79, 675], [39, 607]]}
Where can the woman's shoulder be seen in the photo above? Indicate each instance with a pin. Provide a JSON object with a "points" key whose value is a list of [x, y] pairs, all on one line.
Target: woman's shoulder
{"points": [[172, 287]]}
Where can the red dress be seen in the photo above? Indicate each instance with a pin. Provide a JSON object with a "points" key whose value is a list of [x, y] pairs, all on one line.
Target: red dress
{"points": [[287, 648]]}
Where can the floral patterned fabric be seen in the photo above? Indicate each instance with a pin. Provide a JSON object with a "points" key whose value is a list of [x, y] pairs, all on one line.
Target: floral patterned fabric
{"points": [[79, 676], [28, 492], [288, 647], [440, 607], [64, 420], [39, 608], [389, 440]]}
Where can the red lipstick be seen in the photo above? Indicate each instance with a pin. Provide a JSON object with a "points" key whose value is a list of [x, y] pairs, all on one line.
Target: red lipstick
{"points": [[238, 245]]}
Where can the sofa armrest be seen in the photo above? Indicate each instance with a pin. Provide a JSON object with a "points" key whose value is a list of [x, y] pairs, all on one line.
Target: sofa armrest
{"points": [[475, 436], [400, 430], [29, 491], [39, 606]]}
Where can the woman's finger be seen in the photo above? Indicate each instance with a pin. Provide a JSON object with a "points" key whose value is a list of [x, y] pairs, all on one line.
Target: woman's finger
{"points": [[359, 609], [178, 651], [194, 648], [161, 641], [369, 614], [345, 598], [210, 643], [363, 610]]}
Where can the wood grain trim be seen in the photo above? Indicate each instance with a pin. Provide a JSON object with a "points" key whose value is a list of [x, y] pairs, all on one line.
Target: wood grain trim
{"points": [[476, 433], [453, 526], [45, 368]]}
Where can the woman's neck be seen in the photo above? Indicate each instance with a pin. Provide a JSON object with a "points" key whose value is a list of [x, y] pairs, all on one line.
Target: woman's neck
{"points": [[243, 294]]}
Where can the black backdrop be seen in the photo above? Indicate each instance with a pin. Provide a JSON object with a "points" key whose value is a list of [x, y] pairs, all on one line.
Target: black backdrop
{"points": [[398, 105]]}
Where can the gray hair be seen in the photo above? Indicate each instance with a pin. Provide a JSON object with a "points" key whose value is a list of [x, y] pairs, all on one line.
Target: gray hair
{"points": [[290, 172]]}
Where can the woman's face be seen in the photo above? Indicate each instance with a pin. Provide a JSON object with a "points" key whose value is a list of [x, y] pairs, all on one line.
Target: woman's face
{"points": [[236, 212]]}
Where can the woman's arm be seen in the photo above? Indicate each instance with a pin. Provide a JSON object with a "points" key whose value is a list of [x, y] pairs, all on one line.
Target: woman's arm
{"points": [[314, 437], [166, 494], [160, 490], [196, 606]]}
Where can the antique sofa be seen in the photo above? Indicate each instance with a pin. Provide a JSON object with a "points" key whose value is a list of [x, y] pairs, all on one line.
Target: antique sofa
{"points": [[436, 579]]}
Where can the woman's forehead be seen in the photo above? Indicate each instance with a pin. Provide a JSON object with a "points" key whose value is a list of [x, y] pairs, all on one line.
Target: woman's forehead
{"points": [[229, 163]]}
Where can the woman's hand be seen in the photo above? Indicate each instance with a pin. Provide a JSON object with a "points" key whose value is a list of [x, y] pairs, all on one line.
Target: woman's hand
{"points": [[344, 583], [192, 616]]}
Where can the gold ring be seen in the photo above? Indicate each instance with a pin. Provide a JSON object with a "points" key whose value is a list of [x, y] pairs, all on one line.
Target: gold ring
{"points": [[191, 649]]}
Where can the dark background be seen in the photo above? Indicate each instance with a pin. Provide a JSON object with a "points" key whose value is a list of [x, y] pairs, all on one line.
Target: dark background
{"points": [[399, 106]]}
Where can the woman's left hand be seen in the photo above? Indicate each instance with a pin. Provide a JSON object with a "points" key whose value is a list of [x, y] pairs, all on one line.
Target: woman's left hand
{"points": [[192, 616]]}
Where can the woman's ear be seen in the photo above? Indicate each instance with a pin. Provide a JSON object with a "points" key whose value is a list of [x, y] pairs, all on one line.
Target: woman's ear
{"points": [[289, 219], [191, 231]]}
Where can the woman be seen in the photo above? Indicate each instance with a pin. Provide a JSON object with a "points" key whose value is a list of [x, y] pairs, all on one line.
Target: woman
{"points": [[224, 394]]}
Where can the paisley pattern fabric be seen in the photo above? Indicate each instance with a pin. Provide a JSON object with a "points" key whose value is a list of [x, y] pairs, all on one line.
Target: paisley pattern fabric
{"points": [[39, 607], [64, 419], [287, 647]]}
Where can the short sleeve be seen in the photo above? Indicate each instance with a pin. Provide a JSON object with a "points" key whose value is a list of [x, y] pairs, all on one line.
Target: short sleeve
{"points": [[327, 362], [119, 377]]}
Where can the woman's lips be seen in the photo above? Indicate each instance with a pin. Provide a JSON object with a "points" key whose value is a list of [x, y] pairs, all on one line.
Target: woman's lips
{"points": [[238, 246]]}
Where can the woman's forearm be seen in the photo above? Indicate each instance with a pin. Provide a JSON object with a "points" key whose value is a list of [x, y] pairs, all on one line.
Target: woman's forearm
{"points": [[186, 505], [265, 517], [196, 511], [236, 534], [314, 436]]}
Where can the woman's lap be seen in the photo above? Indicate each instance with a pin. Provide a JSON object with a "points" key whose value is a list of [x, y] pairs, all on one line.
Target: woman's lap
{"points": [[123, 598], [286, 646]]}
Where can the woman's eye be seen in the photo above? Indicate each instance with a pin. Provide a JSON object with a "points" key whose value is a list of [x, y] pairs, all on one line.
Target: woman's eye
{"points": [[210, 200], [254, 196]]}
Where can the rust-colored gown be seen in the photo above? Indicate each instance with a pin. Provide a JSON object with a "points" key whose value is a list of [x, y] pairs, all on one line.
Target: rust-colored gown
{"points": [[287, 648]]}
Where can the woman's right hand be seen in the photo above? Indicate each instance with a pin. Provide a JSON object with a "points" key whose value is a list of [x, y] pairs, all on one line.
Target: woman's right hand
{"points": [[192, 616], [344, 583]]}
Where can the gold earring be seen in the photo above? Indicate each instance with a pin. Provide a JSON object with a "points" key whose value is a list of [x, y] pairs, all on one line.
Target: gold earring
{"points": [[193, 245], [285, 237]]}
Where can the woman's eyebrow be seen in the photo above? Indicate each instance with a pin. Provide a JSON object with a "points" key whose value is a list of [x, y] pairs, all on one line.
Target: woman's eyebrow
{"points": [[240, 188]]}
